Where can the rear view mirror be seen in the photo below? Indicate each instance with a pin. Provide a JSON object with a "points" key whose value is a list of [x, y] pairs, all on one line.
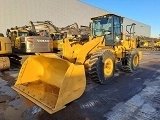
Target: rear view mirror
{"points": [[108, 32]]}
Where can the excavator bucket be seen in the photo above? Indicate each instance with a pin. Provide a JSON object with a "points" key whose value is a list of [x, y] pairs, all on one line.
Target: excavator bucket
{"points": [[50, 82]]}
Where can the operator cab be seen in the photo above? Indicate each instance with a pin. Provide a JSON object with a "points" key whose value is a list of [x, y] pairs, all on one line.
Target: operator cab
{"points": [[20, 33], [109, 26], [16, 33], [23, 33]]}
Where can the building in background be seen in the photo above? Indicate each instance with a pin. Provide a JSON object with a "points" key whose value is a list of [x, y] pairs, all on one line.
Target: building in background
{"points": [[60, 12]]}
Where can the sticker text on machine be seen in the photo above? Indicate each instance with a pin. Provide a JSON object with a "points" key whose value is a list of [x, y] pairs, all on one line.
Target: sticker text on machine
{"points": [[42, 40]]}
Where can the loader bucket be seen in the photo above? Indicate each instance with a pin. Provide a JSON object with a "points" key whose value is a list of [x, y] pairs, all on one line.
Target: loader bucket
{"points": [[50, 82]]}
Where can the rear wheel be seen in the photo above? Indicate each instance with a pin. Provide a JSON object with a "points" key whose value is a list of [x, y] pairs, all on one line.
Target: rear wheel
{"points": [[131, 62], [102, 66]]}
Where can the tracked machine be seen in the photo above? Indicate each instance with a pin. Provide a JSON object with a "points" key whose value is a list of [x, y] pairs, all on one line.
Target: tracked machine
{"points": [[28, 41], [72, 32], [19, 44], [51, 82]]}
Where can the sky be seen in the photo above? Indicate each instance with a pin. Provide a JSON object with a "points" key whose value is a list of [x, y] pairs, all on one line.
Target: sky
{"points": [[144, 11]]}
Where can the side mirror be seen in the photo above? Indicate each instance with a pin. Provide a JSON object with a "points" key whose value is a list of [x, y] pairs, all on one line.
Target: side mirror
{"points": [[133, 24], [1, 35], [108, 32]]}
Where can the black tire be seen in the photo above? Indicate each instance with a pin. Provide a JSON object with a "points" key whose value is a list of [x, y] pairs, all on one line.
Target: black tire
{"points": [[131, 62], [97, 62]]}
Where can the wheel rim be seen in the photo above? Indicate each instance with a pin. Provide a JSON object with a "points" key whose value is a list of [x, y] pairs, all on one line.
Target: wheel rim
{"points": [[135, 60], [108, 67]]}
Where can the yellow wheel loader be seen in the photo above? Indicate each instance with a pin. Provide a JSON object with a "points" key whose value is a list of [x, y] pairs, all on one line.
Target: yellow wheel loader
{"points": [[51, 82]]}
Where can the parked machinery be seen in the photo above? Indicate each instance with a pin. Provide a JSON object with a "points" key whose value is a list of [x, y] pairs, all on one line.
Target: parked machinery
{"points": [[156, 45], [56, 81], [85, 30], [19, 43], [51, 30], [72, 32], [146, 43], [26, 40], [5, 50]]}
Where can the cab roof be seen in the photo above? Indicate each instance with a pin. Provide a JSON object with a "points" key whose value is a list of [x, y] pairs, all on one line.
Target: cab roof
{"points": [[104, 15], [19, 30]]}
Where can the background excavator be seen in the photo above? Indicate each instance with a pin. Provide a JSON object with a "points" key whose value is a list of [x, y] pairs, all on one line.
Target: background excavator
{"points": [[28, 40], [56, 81], [50, 30], [21, 42], [146, 43], [72, 32]]}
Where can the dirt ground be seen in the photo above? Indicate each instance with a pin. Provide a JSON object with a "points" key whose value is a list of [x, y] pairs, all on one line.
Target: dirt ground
{"points": [[128, 97]]}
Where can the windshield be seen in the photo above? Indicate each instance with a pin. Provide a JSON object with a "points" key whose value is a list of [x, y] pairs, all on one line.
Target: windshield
{"points": [[56, 36], [23, 34], [102, 25]]}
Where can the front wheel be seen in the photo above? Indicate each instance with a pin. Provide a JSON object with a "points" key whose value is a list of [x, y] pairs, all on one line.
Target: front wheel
{"points": [[102, 66]]}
